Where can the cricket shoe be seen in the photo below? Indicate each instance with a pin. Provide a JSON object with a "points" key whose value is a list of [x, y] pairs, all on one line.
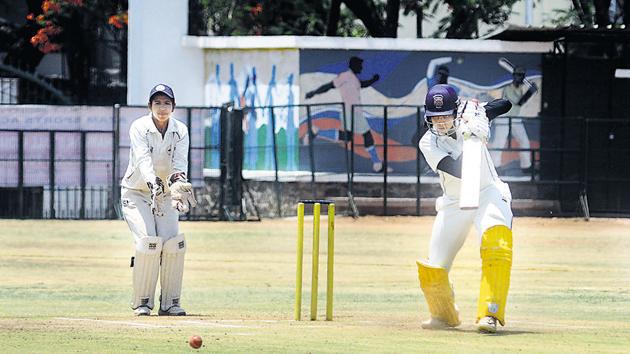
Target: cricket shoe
{"points": [[142, 311], [435, 323], [378, 167], [173, 311], [487, 324]]}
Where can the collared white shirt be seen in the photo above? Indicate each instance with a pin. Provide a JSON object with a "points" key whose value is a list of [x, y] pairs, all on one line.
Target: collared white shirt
{"points": [[152, 155]]}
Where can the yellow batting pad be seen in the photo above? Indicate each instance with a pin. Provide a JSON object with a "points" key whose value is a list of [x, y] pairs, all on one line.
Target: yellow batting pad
{"points": [[496, 264], [438, 293]]}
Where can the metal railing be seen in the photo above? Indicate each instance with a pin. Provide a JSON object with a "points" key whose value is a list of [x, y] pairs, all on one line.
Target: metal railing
{"points": [[576, 156]]}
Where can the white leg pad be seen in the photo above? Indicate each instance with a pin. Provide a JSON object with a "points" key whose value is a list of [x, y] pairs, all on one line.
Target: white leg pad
{"points": [[145, 271], [173, 253]]}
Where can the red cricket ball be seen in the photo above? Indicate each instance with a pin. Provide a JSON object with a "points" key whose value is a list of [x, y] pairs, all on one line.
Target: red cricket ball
{"points": [[195, 341]]}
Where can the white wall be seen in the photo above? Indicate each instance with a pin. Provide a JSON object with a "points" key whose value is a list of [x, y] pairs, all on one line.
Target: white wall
{"points": [[156, 54]]}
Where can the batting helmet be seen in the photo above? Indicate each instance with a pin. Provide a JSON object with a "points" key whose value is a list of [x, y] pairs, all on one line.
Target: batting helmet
{"points": [[441, 100]]}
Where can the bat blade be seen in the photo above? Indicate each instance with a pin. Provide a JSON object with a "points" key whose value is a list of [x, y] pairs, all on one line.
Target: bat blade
{"points": [[471, 173]]}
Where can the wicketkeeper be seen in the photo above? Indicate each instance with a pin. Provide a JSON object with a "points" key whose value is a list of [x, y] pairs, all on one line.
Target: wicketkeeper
{"points": [[448, 120], [154, 191]]}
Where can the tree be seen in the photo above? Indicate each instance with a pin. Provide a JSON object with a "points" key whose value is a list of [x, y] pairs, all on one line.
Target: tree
{"points": [[268, 17], [371, 14], [461, 22], [340, 17], [73, 27], [595, 12]]}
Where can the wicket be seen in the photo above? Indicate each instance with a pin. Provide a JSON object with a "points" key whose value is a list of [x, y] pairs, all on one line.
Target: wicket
{"points": [[300, 252]]}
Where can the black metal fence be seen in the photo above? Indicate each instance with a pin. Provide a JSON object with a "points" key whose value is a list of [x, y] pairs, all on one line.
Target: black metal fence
{"points": [[63, 173]]}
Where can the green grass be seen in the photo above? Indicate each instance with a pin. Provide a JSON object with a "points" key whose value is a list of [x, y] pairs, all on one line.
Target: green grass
{"points": [[65, 286]]}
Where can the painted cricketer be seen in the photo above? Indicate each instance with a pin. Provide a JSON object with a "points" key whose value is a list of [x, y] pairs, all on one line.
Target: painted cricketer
{"points": [[154, 191], [449, 121]]}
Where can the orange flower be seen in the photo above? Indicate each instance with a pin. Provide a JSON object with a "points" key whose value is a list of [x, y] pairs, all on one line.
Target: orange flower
{"points": [[119, 21], [39, 38], [50, 5], [40, 18], [30, 17]]}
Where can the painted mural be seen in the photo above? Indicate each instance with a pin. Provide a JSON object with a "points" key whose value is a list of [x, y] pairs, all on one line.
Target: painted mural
{"points": [[249, 79], [401, 79], [347, 90]]}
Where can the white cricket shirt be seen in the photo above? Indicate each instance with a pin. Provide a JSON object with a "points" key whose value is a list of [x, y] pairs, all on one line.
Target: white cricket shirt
{"points": [[435, 148], [151, 155]]}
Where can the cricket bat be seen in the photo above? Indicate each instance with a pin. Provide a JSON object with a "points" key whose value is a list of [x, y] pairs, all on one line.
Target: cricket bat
{"points": [[471, 173]]}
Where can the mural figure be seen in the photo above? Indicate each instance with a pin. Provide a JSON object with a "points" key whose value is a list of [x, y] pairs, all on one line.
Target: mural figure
{"points": [[518, 93], [265, 157], [438, 73], [212, 132], [291, 130], [349, 87], [251, 117]]}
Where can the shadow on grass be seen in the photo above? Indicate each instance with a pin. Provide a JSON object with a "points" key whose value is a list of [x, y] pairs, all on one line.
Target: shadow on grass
{"points": [[499, 333]]}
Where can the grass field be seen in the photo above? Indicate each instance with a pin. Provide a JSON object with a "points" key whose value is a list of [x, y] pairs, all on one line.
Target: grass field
{"points": [[65, 286]]}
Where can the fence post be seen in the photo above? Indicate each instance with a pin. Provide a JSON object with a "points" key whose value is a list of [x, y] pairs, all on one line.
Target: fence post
{"points": [[418, 170], [83, 166], [385, 160], [311, 153], [275, 162], [52, 175], [115, 145], [189, 124], [189, 172], [21, 174], [351, 145]]}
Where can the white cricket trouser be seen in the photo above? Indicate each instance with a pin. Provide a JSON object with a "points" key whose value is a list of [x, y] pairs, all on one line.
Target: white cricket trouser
{"points": [[499, 141], [452, 224], [136, 207]]}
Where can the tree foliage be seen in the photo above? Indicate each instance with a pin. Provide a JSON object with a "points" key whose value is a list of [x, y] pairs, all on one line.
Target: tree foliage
{"points": [[73, 27], [341, 17], [269, 17], [596, 12]]}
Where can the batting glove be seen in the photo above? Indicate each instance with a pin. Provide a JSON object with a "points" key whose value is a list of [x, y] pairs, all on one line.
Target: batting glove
{"points": [[157, 196], [476, 121]]}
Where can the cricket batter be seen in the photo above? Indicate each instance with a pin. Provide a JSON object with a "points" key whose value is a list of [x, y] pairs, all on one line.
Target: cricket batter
{"points": [[154, 191], [448, 120]]}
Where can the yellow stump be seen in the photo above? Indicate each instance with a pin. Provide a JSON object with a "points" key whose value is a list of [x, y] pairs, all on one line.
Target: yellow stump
{"points": [[300, 252], [315, 273], [331, 261]]}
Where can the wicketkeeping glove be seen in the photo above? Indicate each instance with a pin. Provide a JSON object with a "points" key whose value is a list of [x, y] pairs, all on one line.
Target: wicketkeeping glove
{"points": [[182, 194], [157, 196]]}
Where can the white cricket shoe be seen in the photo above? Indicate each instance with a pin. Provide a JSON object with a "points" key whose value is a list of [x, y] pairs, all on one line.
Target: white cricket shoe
{"points": [[173, 311], [142, 311], [434, 323], [487, 324], [378, 167]]}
